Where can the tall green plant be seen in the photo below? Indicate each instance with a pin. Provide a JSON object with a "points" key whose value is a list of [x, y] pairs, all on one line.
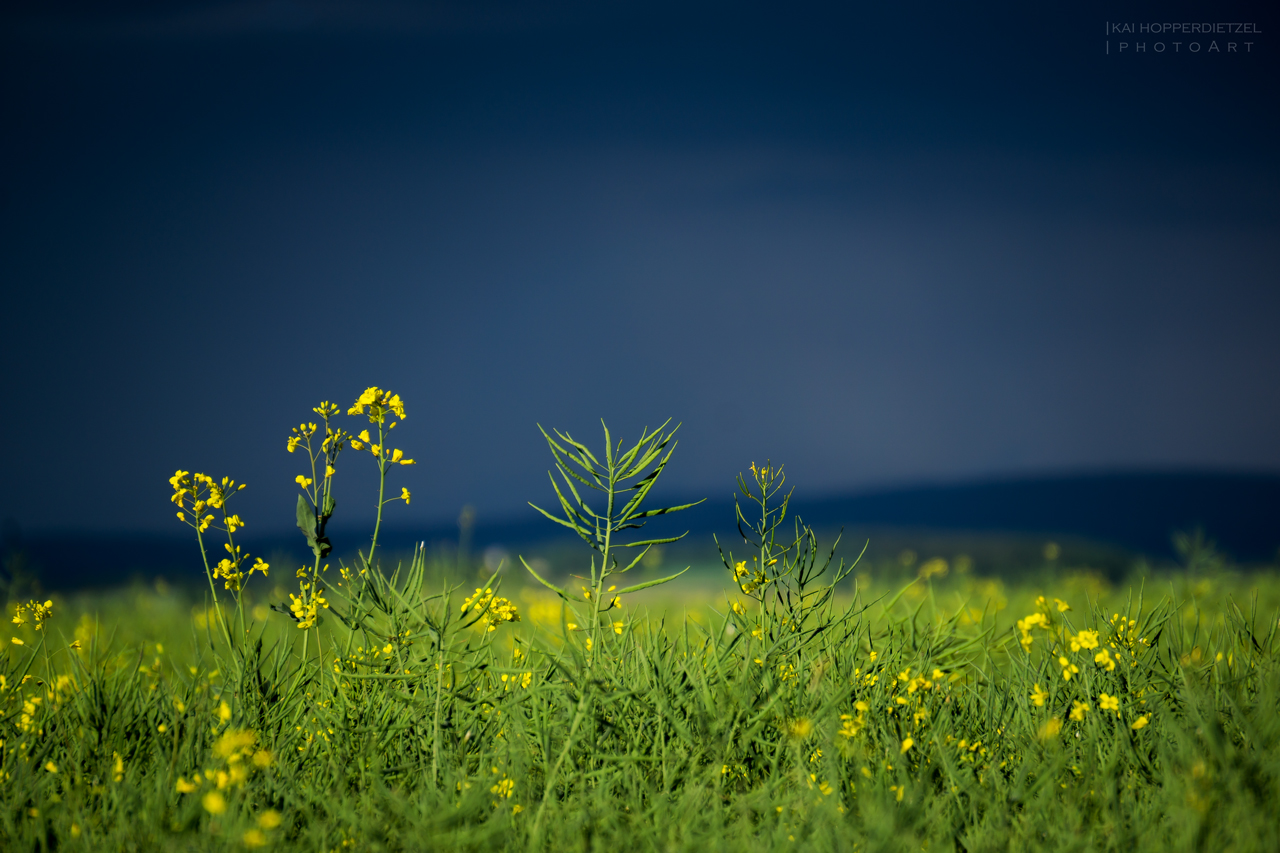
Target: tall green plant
{"points": [[785, 576], [623, 481]]}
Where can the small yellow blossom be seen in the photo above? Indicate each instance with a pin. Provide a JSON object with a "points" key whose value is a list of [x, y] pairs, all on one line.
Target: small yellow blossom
{"points": [[254, 838], [493, 610], [1038, 696], [1141, 722], [1068, 668], [214, 803], [1084, 640], [270, 819], [1078, 710], [1109, 703], [907, 744]]}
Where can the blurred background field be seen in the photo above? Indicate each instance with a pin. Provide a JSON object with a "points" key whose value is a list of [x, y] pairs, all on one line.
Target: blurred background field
{"points": [[983, 576]]}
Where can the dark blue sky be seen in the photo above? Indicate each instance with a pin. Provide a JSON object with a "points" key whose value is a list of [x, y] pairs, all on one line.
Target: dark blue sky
{"points": [[882, 244]]}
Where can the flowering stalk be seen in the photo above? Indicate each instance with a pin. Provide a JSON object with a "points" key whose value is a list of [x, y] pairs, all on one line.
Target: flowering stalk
{"points": [[379, 406], [197, 494]]}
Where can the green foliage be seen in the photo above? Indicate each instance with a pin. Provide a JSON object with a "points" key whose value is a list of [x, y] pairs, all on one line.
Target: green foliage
{"points": [[811, 708]]}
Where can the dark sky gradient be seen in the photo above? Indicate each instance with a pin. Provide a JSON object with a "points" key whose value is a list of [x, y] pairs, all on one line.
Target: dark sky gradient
{"points": [[883, 244]]}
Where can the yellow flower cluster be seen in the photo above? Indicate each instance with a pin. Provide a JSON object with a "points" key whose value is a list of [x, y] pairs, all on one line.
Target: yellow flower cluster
{"points": [[230, 568], [394, 456], [377, 404], [495, 609], [754, 578], [850, 725], [38, 613], [301, 433], [1061, 605], [306, 606], [197, 493], [1084, 640], [919, 682], [238, 751], [1035, 620], [1068, 668]]}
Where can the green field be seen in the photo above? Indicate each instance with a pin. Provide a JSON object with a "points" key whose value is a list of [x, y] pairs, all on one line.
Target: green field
{"points": [[794, 703]]}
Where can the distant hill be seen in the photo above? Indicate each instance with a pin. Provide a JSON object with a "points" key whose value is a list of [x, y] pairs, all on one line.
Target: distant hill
{"points": [[1138, 512]]}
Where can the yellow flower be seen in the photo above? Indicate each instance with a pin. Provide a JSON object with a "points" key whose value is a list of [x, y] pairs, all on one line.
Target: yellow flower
{"points": [[370, 394], [254, 838], [329, 470], [617, 627], [224, 712], [302, 481], [907, 744], [1084, 640], [1141, 722], [185, 787], [1103, 659], [1063, 607], [270, 819], [1078, 710], [495, 610], [738, 608], [1109, 703], [1068, 668], [214, 803], [17, 642], [404, 494], [1038, 696], [51, 767], [801, 728], [1050, 728]]}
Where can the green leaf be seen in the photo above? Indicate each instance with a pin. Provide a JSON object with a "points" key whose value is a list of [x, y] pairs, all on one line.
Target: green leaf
{"points": [[548, 584], [306, 518], [647, 584], [307, 524]]}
